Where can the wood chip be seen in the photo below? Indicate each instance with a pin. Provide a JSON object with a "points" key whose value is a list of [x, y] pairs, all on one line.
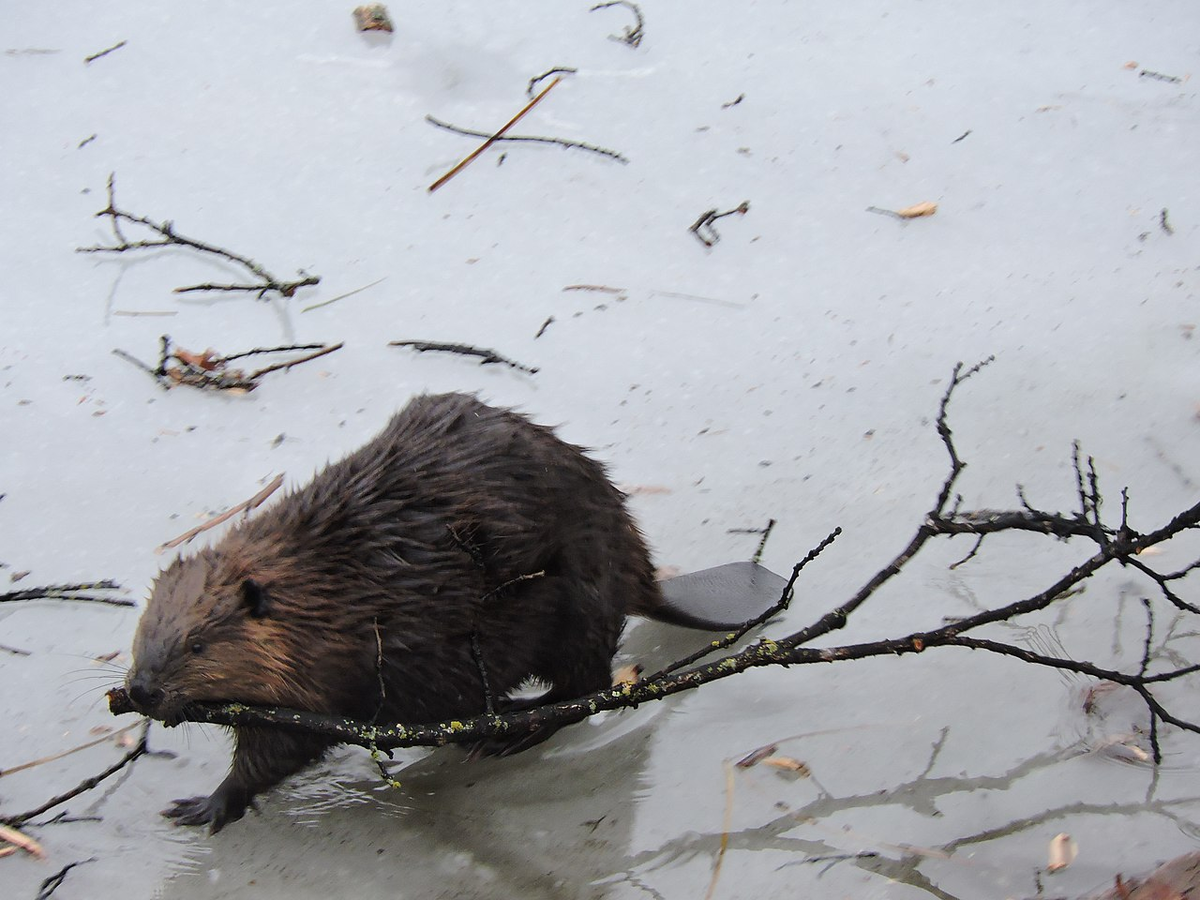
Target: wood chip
{"points": [[928, 208], [1063, 851], [788, 764], [24, 841]]}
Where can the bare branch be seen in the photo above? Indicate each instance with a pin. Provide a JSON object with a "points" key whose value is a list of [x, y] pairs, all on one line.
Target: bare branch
{"points": [[169, 237]]}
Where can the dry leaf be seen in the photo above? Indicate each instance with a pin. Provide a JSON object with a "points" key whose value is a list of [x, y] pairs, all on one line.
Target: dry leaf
{"points": [[206, 360], [1132, 64], [928, 208], [787, 764], [24, 841], [1063, 851]]}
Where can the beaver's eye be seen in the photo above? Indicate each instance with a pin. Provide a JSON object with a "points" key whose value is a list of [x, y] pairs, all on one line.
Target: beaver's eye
{"points": [[197, 647]]}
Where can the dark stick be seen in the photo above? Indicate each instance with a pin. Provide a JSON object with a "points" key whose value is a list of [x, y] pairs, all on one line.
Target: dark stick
{"points": [[86, 785], [709, 217], [631, 36], [287, 289], [477, 655], [545, 325], [1164, 222], [1159, 76], [558, 70], [562, 142], [69, 592], [485, 356], [170, 237], [50, 885]]}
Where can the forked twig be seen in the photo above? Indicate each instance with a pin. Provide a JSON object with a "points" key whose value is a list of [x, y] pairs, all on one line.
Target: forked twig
{"points": [[171, 238]]}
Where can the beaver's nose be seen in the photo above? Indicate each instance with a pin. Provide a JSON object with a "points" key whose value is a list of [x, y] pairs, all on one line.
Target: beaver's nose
{"points": [[144, 695]]}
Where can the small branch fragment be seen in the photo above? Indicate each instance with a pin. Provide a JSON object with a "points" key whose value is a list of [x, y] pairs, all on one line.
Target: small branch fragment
{"points": [[485, 356], [545, 325], [86, 785], [762, 543], [50, 885], [471, 157], [70, 592], [208, 371], [558, 70], [631, 36], [961, 136], [166, 229], [529, 138], [24, 841], [57, 756], [1159, 76], [1164, 222], [703, 228], [920, 210], [88, 60], [246, 505], [734, 102], [332, 300]]}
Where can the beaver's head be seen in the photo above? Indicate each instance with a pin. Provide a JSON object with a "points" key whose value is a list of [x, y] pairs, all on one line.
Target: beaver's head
{"points": [[210, 633]]}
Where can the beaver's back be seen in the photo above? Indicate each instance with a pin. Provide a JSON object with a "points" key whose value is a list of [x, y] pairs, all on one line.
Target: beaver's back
{"points": [[463, 541]]}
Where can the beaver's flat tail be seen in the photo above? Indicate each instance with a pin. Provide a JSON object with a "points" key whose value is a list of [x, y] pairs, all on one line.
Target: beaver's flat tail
{"points": [[718, 599]]}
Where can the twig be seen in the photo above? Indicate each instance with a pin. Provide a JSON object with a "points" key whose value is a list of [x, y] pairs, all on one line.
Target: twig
{"points": [[961, 136], [246, 505], [1159, 76], [19, 839], [562, 142], [284, 366], [47, 759], [50, 885], [726, 827], [631, 36], [88, 60], [763, 533], [86, 785], [708, 219], [343, 296], [558, 70], [485, 356], [267, 282], [473, 155], [69, 592], [209, 371], [545, 325], [1164, 222]]}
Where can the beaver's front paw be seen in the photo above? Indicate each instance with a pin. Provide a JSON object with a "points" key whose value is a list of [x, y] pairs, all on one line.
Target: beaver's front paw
{"points": [[215, 811]]}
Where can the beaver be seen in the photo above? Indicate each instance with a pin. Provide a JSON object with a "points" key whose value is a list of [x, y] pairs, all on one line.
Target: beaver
{"points": [[462, 552]]}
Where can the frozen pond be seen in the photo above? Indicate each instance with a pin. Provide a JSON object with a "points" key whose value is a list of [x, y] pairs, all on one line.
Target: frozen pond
{"points": [[791, 371]]}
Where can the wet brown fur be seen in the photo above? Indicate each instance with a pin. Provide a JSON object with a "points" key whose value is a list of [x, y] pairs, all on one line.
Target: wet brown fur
{"points": [[362, 593]]}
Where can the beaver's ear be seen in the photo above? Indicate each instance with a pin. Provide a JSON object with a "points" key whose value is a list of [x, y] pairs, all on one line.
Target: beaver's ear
{"points": [[255, 598]]}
